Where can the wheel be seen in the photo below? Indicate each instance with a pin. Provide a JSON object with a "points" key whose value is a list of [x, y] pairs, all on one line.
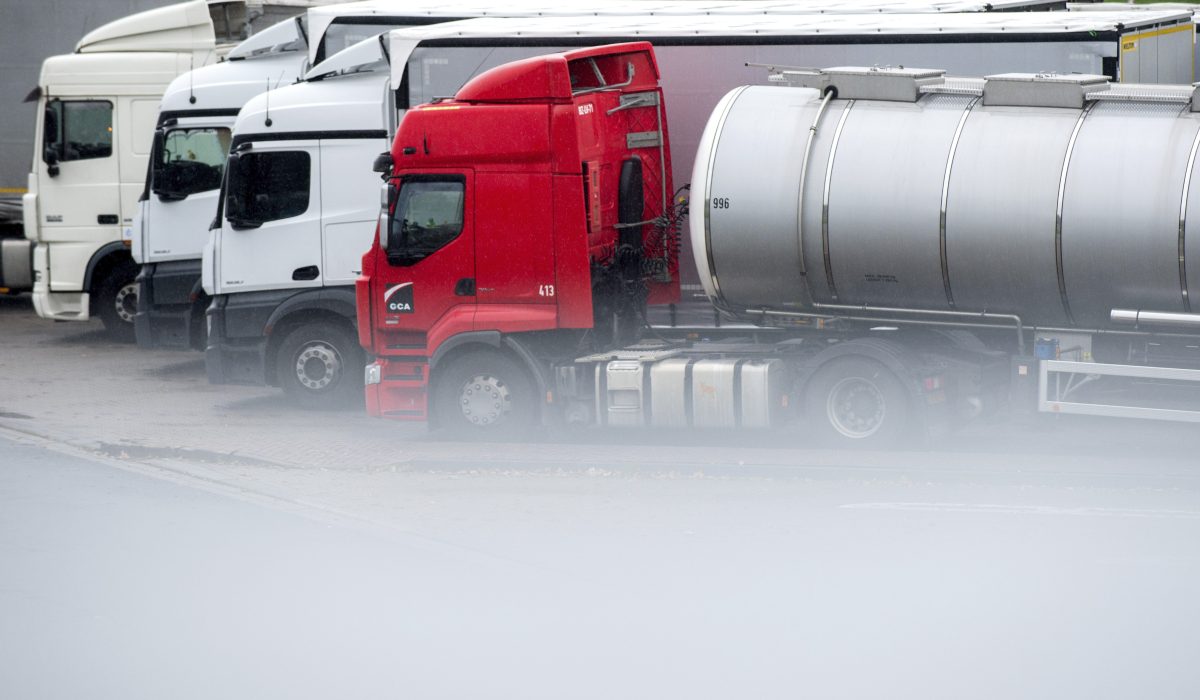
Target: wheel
{"points": [[484, 393], [857, 401], [321, 366], [116, 302]]}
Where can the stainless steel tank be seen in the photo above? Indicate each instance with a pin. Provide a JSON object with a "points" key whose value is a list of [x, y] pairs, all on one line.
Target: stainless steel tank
{"points": [[1057, 199]]}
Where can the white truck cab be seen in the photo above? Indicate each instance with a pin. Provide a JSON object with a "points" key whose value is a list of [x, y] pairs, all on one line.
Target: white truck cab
{"points": [[292, 227], [187, 164], [99, 107]]}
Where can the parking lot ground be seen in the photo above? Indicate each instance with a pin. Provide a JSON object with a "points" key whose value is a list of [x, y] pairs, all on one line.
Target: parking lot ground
{"points": [[65, 383], [1008, 561]]}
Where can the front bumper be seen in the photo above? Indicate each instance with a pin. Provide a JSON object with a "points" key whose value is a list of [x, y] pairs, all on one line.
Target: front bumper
{"points": [[237, 360], [397, 389], [168, 305]]}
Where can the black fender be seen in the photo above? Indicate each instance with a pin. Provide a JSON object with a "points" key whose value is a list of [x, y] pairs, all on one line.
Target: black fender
{"points": [[899, 359], [198, 292], [537, 370], [110, 248], [334, 300], [514, 346], [489, 338]]}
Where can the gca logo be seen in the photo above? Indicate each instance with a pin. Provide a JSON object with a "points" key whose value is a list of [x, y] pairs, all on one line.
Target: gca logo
{"points": [[399, 299]]}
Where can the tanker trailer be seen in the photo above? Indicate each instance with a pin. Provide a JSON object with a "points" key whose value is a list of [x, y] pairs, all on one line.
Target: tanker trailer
{"points": [[1051, 217]]}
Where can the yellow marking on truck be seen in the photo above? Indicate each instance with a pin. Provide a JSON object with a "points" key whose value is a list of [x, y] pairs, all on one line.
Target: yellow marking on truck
{"points": [[1129, 43], [13, 190]]}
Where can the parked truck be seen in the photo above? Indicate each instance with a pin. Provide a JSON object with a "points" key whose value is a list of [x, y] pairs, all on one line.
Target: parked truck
{"points": [[908, 251], [187, 164], [98, 109], [703, 57]]}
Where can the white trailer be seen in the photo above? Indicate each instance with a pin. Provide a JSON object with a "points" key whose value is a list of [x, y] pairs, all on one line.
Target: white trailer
{"points": [[255, 306]]}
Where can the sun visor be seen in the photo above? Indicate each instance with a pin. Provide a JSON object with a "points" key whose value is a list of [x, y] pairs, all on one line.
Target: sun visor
{"points": [[366, 55]]}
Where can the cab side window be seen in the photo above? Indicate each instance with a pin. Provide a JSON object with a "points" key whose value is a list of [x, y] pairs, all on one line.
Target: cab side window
{"points": [[428, 214], [267, 187], [77, 130]]}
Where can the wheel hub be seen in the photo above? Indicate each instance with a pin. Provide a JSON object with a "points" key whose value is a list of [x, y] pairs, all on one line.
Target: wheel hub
{"points": [[126, 302], [484, 400], [317, 366], [856, 408]]}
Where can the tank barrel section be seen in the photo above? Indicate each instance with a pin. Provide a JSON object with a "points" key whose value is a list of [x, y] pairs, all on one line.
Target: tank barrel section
{"points": [[1030, 200]]}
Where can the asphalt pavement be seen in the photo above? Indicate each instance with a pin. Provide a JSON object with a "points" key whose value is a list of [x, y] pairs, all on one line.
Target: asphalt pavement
{"points": [[162, 537]]}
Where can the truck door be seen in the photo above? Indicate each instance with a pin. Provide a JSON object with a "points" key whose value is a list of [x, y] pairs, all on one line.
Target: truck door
{"points": [[347, 216], [78, 177], [136, 119], [271, 233], [430, 250], [187, 165], [514, 251]]}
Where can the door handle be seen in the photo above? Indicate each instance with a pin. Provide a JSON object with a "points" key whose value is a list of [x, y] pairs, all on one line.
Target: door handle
{"points": [[303, 274], [107, 219], [465, 287]]}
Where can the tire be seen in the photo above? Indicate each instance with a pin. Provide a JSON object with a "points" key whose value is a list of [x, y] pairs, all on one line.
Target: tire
{"points": [[484, 394], [116, 302], [320, 365], [855, 401]]}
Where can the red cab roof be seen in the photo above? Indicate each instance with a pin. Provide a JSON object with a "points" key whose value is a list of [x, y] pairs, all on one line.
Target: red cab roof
{"points": [[559, 76]]}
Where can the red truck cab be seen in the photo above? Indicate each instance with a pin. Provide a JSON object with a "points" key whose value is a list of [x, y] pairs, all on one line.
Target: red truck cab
{"points": [[525, 223]]}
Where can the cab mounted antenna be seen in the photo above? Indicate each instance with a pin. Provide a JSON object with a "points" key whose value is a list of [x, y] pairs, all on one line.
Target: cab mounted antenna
{"points": [[192, 79], [268, 109]]}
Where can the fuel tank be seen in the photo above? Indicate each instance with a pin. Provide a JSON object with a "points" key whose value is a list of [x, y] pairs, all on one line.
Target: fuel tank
{"points": [[1055, 198]]}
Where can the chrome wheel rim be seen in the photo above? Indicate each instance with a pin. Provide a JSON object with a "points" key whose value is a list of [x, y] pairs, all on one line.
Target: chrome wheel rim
{"points": [[856, 408], [484, 400], [318, 365], [126, 302]]}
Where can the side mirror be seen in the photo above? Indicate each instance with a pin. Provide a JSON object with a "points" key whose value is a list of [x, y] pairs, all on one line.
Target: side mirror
{"points": [[157, 168], [238, 194], [50, 157], [50, 141], [383, 164]]}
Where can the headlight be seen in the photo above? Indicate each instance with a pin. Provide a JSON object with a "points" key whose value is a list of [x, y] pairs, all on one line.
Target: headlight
{"points": [[374, 374]]}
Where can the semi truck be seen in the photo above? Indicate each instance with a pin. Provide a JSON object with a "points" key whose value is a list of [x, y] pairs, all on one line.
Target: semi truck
{"points": [[97, 110], [905, 251]]}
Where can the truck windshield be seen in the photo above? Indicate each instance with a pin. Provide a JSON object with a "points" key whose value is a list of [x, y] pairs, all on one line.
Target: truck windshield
{"points": [[427, 216], [189, 161], [77, 130], [267, 187]]}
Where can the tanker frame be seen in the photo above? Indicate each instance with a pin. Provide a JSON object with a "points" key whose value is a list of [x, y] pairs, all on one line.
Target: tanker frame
{"points": [[1044, 217]]}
